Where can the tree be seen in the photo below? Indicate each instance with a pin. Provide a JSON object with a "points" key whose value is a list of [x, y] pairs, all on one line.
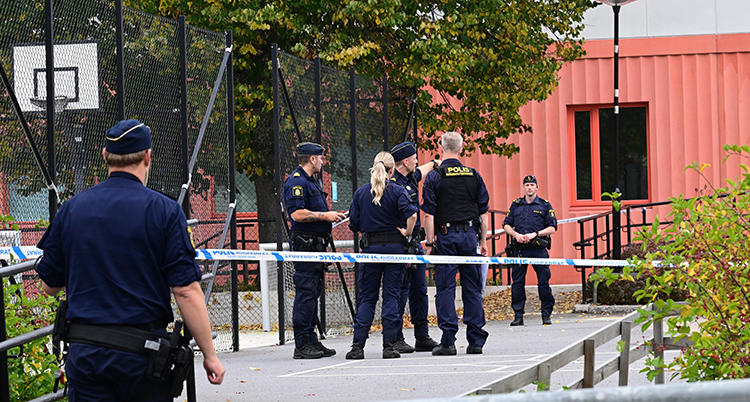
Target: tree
{"points": [[484, 58], [705, 251]]}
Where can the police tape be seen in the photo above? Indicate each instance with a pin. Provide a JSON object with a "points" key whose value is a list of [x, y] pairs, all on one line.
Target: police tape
{"points": [[27, 252]]}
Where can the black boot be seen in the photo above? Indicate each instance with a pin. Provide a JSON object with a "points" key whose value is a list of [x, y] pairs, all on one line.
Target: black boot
{"points": [[307, 351], [326, 351], [402, 347], [517, 322], [389, 352], [357, 352], [442, 350], [546, 320], [425, 344]]}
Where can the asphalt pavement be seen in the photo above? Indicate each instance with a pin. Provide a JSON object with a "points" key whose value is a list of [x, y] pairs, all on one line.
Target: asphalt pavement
{"points": [[265, 371]]}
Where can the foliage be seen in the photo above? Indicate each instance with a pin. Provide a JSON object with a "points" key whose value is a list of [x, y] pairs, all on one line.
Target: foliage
{"points": [[484, 59], [615, 197], [31, 367], [705, 250]]}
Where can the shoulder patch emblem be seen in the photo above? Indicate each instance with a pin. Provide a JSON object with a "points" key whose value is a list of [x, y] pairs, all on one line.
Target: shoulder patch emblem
{"points": [[190, 236], [552, 213], [297, 191], [296, 174]]}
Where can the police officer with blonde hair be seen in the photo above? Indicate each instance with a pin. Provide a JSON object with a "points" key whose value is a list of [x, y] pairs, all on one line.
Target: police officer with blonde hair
{"points": [[117, 249], [456, 202], [311, 223], [384, 216]]}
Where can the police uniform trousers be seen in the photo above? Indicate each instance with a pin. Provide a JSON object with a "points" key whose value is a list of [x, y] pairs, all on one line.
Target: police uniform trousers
{"points": [[370, 277], [308, 284], [459, 242], [543, 275], [414, 288], [103, 374]]}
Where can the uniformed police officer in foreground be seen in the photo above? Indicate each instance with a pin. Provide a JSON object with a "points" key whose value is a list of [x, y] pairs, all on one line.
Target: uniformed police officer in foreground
{"points": [[414, 288], [118, 248], [311, 220], [384, 215], [455, 205], [530, 222]]}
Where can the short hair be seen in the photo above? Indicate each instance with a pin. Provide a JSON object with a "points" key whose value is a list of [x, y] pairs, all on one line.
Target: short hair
{"points": [[452, 142], [117, 160], [303, 159]]}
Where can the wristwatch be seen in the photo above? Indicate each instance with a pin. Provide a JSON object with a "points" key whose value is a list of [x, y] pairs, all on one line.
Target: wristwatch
{"points": [[429, 244], [435, 164]]}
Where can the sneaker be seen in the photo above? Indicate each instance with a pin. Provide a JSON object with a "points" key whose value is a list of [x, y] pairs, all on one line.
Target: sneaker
{"points": [[546, 320], [326, 351], [389, 351], [518, 321], [402, 347], [307, 351], [425, 344], [474, 350], [357, 352], [442, 350]]}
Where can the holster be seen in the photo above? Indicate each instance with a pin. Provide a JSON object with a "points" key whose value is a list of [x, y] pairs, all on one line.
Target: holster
{"points": [[313, 242], [60, 329]]}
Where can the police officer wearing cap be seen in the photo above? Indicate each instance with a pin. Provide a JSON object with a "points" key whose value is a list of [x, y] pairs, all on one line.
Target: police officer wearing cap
{"points": [[311, 220], [530, 222], [384, 215], [117, 249], [456, 202], [414, 287]]}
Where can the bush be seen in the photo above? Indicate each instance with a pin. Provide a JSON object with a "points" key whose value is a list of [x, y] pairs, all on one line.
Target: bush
{"points": [[706, 251]]}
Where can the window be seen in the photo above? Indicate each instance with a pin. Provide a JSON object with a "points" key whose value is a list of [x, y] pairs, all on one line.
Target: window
{"points": [[592, 136]]}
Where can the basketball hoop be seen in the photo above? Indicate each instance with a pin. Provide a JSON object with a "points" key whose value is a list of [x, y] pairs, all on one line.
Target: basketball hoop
{"points": [[61, 102]]}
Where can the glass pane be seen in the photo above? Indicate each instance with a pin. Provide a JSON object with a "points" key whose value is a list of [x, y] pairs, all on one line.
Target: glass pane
{"points": [[583, 154], [633, 175]]}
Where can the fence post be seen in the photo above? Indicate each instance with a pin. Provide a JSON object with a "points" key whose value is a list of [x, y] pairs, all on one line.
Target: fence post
{"points": [[589, 358], [659, 348], [4, 379], [386, 121], [232, 190], [277, 177], [624, 368], [50, 82], [544, 377]]}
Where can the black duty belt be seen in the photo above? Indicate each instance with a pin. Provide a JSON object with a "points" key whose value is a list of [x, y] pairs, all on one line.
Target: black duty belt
{"points": [[383, 238], [125, 338], [458, 226]]}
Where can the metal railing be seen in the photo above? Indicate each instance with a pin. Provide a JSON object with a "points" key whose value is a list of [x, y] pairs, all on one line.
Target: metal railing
{"points": [[541, 373]]}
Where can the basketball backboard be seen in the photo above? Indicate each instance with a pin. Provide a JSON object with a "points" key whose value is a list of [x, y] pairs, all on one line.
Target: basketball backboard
{"points": [[76, 75]]}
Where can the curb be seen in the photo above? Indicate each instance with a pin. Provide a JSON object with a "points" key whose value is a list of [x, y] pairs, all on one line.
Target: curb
{"points": [[600, 309]]}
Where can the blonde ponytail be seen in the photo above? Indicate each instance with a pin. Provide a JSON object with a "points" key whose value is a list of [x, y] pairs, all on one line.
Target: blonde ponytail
{"points": [[379, 175]]}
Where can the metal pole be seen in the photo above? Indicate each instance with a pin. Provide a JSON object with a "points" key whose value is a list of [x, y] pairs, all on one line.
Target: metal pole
{"points": [[355, 177], [184, 112], [277, 174], [49, 38], [386, 128], [120, 60], [232, 190], [616, 214], [318, 138]]}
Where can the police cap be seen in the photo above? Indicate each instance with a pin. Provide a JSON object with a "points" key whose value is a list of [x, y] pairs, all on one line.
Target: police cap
{"points": [[530, 179], [403, 151], [309, 148], [127, 137]]}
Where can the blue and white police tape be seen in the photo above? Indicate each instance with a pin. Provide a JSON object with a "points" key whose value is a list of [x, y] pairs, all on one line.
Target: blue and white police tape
{"points": [[26, 252]]}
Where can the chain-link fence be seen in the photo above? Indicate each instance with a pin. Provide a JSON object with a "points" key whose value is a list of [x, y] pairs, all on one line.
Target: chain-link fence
{"points": [[171, 100], [318, 103]]}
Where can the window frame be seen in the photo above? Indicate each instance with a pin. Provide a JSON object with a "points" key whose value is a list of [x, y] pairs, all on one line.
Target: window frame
{"points": [[596, 191]]}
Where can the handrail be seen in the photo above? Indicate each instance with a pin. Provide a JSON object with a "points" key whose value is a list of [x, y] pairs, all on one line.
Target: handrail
{"points": [[541, 371]]}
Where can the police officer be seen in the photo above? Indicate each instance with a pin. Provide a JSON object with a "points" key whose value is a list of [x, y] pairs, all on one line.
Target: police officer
{"points": [[414, 287], [455, 205], [118, 248], [384, 215], [530, 222], [311, 221]]}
